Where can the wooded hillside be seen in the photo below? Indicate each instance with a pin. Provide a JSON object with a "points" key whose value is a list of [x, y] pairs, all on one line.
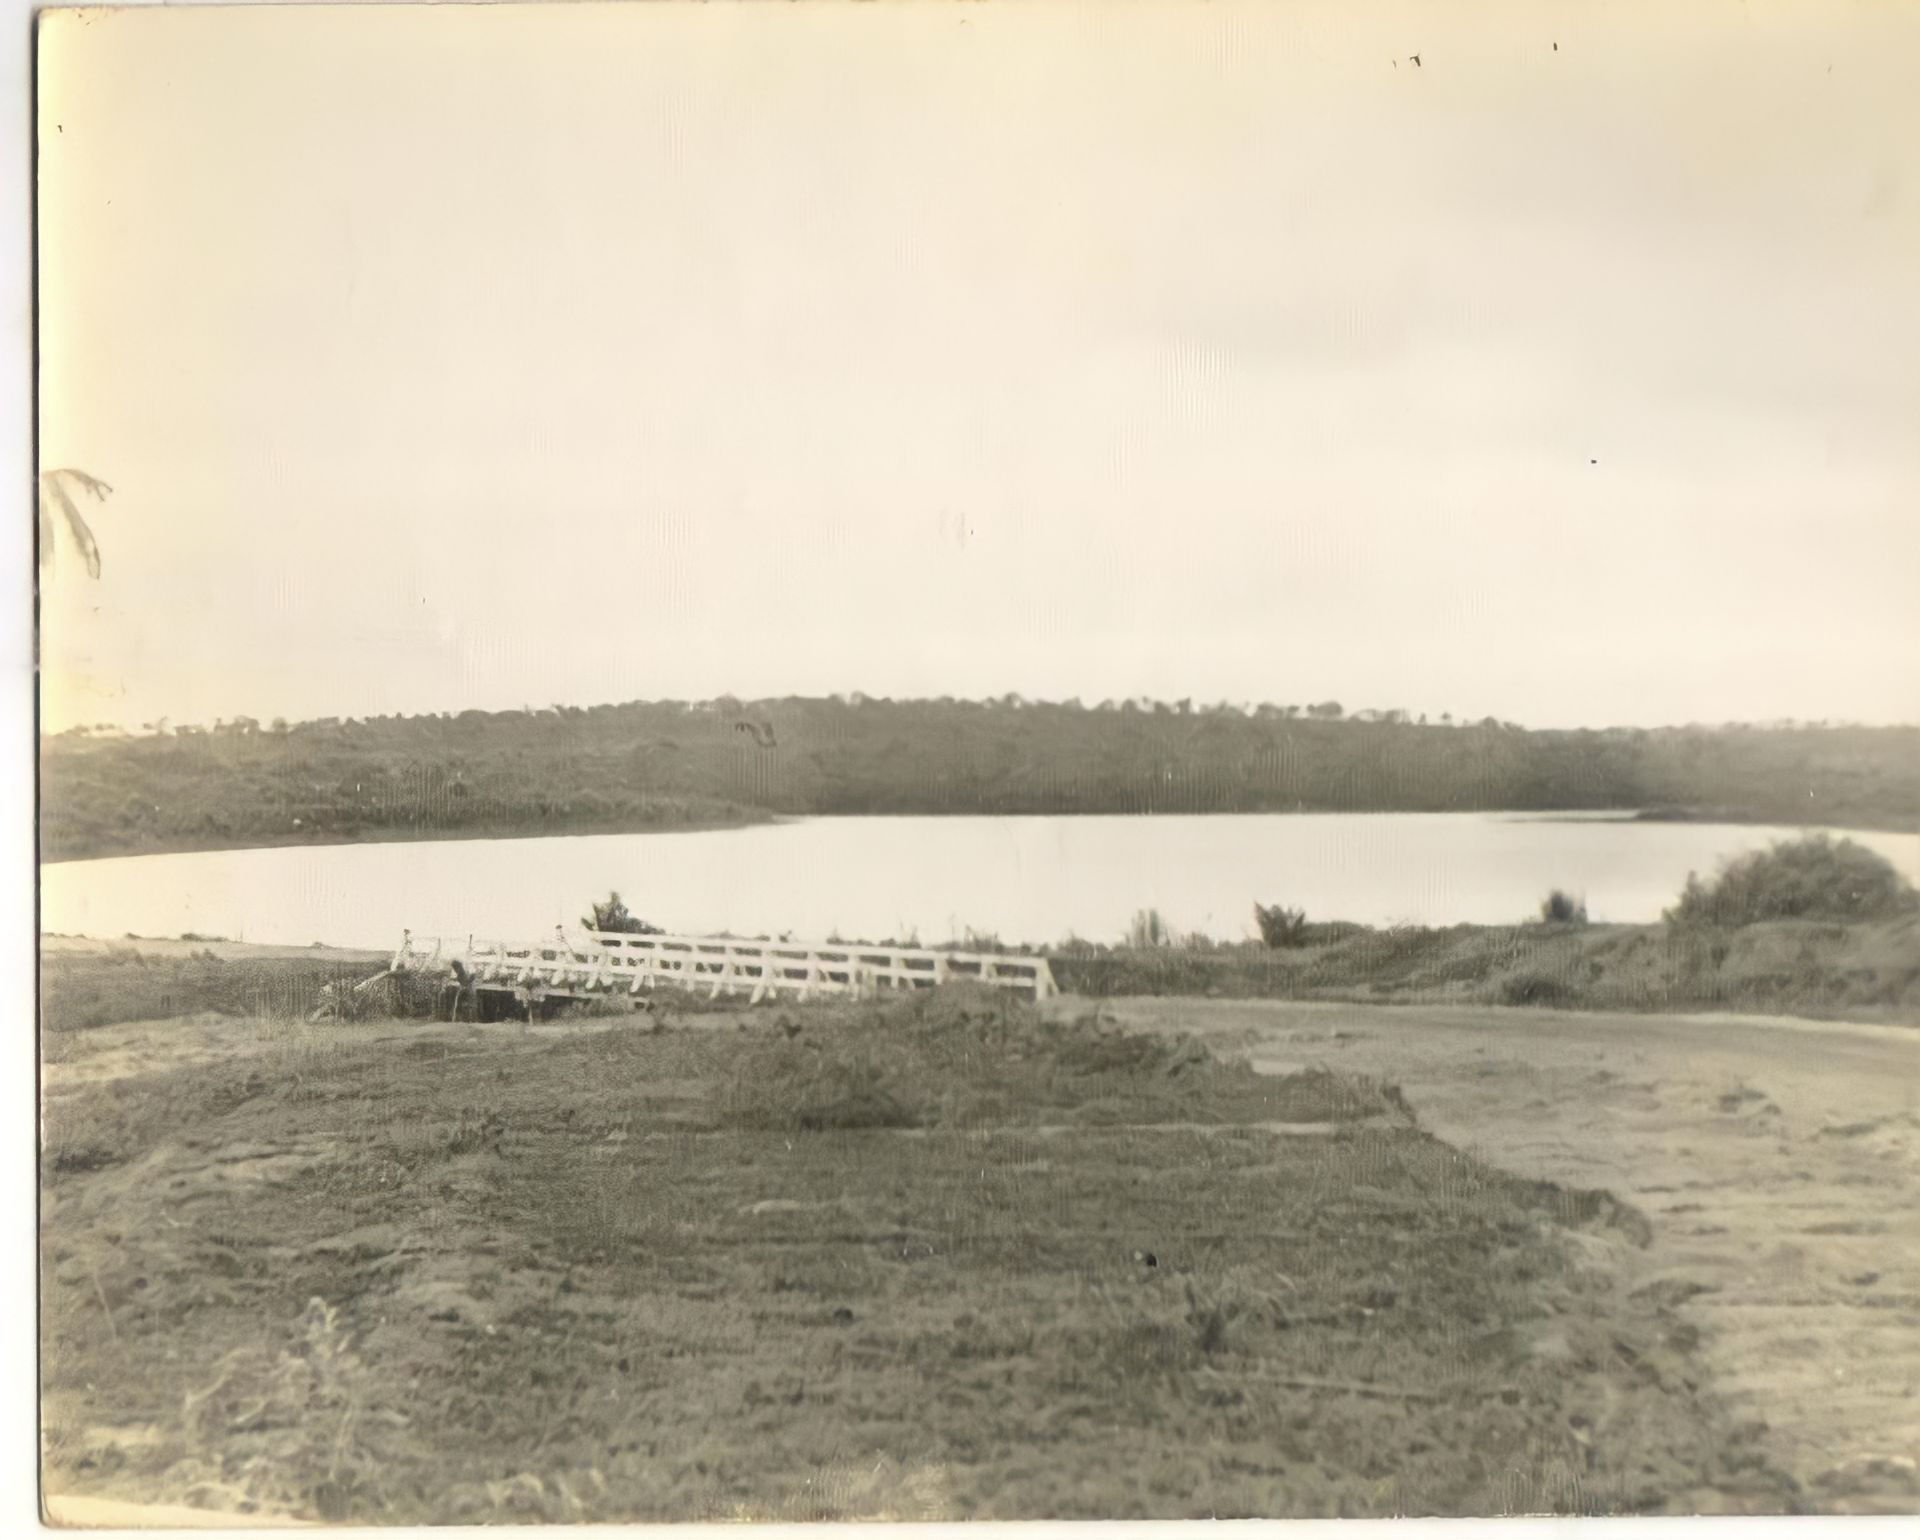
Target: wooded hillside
{"points": [[675, 765]]}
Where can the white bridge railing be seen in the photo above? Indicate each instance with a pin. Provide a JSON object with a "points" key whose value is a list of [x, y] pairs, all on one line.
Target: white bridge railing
{"points": [[585, 964]]}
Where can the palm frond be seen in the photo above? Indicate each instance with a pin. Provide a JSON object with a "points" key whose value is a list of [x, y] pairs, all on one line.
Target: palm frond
{"points": [[92, 485], [54, 493]]}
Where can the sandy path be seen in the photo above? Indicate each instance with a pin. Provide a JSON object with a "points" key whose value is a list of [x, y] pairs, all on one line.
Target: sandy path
{"points": [[1779, 1162]]}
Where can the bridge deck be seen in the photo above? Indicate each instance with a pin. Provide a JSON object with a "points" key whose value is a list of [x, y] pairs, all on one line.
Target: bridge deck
{"points": [[588, 965]]}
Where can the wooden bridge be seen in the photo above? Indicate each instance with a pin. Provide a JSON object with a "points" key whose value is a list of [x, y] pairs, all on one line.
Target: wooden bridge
{"points": [[590, 965]]}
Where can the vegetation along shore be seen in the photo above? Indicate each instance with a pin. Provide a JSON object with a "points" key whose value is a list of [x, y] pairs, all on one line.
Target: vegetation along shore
{"points": [[1813, 927], [680, 765]]}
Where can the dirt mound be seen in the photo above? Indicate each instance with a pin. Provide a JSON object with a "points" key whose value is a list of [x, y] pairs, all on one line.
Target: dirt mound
{"points": [[971, 1057]]}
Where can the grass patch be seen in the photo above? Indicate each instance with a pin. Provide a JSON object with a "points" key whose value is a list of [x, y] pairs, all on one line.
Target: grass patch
{"points": [[631, 1275], [298, 1424], [1866, 970], [83, 989]]}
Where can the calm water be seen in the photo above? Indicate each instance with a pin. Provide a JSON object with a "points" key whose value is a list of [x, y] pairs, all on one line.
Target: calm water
{"points": [[1026, 879]]}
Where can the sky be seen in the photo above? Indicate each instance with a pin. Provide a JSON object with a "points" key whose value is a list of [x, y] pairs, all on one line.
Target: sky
{"points": [[1548, 362]]}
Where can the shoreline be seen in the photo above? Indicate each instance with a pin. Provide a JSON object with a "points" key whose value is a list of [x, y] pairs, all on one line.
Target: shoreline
{"points": [[592, 830], [1815, 971], [478, 834]]}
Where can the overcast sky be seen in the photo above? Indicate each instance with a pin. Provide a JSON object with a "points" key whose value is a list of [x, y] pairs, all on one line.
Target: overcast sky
{"points": [[493, 357]]}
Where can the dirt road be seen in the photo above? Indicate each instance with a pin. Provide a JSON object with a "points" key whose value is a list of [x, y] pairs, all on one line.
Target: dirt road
{"points": [[1779, 1163]]}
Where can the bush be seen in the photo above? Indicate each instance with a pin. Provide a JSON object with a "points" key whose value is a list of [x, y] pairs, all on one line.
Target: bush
{"points": [[612, 917], [1536, 989], [1559, 908], [1812, 878], [1281, 927]]}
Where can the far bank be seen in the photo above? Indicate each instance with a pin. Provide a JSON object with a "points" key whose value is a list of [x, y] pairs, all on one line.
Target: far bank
{"points": [[658, 765]]}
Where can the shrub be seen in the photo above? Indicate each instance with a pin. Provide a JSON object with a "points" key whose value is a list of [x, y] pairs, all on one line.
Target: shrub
{"points": [[612, 916], [1559, 908], [1536, 989], [1811, 878], [1281, 927]]}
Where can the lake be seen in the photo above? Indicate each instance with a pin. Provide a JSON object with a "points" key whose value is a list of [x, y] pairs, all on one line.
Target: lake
{"points": [[1025, 879]]}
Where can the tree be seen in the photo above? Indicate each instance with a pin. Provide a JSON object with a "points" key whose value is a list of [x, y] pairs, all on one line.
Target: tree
{"points": [[1149, 930], [613, 916], [1327, 710], [1280, 926], [56, 492]]}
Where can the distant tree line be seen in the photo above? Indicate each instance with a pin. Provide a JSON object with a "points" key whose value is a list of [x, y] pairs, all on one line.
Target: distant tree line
{"points": [[672, 764]]}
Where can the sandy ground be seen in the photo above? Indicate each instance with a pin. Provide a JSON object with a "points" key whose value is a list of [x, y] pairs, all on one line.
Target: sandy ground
{"points": [[1778, 1160]]}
